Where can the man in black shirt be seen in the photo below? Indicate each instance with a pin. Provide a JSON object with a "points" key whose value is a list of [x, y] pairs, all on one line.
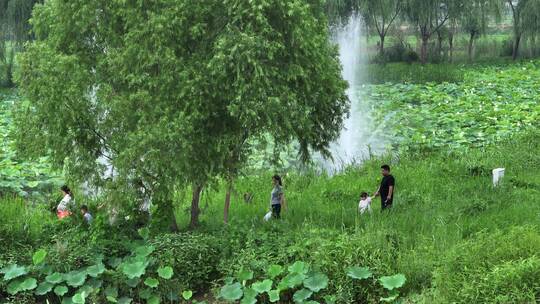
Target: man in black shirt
{"points": [[386, 189]]}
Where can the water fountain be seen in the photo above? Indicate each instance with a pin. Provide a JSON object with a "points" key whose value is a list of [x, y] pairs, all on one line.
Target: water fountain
{"points": [[358, 139]]}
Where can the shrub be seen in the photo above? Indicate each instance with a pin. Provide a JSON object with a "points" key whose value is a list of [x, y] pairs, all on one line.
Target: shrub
{"points": [[500, 267], [133, 278], [327, 251], [20, 222], [413, 73], [507, 48], [194, 258], [399, 52], [411, 56]]}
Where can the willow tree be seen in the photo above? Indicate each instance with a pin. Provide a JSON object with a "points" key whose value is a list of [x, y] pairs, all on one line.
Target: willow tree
{"points": [[380, 16], [474, 17], [429, 16], [169, 91], [525, 16], [339, 10]]}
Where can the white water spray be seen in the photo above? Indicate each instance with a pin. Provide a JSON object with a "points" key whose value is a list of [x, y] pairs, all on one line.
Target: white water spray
{"points": [[358, 139]]}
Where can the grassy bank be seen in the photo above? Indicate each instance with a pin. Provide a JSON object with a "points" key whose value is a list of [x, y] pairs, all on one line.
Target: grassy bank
{"points": [[446, 212]]}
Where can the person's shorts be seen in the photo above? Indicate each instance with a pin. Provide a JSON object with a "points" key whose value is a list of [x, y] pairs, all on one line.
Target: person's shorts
{"points": [[276, 211], [63, 213]]}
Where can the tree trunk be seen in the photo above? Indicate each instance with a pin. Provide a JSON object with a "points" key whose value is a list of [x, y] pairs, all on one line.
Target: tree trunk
{"points": [[424, 49], [227, 203], [174, 224], [195, 206], [439, 43], [533, 46], [515, 51], [451, 47], [471, 46], [9, 69], [381, 47]]}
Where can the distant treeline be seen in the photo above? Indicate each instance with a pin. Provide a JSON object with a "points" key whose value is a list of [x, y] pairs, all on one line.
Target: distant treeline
{"points": [[436, 23], [441, 21]]}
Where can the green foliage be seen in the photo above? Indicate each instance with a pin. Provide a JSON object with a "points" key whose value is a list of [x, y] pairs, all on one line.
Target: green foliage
{"points": [[39, 256], [392, 282], [96, 282], [192, 257], [13, 271], [44, 288], [497, 267], [16, 175], [274, 271], [23, 223], [60, 290], [216, 77], [490, 105], [231, 292], [75, 278], [262, 287], [151, 282], [187, 295], [302, 295], [316, 282], [357, 272], [165, 272], [134, 269], [299, 284], [244, 275], [413, 73], [20, 285]]}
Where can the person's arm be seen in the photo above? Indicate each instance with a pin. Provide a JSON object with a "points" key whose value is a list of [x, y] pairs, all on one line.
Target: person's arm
{"points": [[377, 192], [390, 191]]}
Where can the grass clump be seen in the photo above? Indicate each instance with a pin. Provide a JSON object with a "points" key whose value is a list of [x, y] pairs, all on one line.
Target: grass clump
{"points": [[492, 267]]}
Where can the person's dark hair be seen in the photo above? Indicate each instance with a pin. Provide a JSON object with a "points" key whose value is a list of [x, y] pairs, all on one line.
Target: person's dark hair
{"points": [[66, 189], [278, 178], [84, 208], [386, 167], [363, 194]]}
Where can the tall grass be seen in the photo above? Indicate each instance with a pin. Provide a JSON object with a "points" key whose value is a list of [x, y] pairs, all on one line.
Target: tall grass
{"points": [[21, 222], [442, 199]]}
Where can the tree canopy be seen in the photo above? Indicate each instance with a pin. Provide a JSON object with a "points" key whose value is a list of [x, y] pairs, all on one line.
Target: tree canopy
{"points": [[171, 92]]}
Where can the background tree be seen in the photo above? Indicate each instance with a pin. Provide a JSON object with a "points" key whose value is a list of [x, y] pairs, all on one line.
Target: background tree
{"points": [[428, 16], [380, 15], [170, 92], [338, 11], [531, 23], [475, 16], [525, 14]]}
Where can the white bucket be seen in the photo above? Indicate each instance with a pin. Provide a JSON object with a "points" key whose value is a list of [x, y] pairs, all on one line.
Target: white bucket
{"points": [[498, 174], [268, 216]]}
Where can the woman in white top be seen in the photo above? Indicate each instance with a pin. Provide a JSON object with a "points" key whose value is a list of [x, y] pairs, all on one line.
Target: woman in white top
{"points": [[62, 210]]}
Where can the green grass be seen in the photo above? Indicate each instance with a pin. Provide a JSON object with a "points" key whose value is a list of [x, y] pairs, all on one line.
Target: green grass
{"points": [[443, 199], [411, 73], [21, 221]]}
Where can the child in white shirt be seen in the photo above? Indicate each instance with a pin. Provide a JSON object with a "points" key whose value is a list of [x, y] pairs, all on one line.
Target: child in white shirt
{"points": [[365, 203]]}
